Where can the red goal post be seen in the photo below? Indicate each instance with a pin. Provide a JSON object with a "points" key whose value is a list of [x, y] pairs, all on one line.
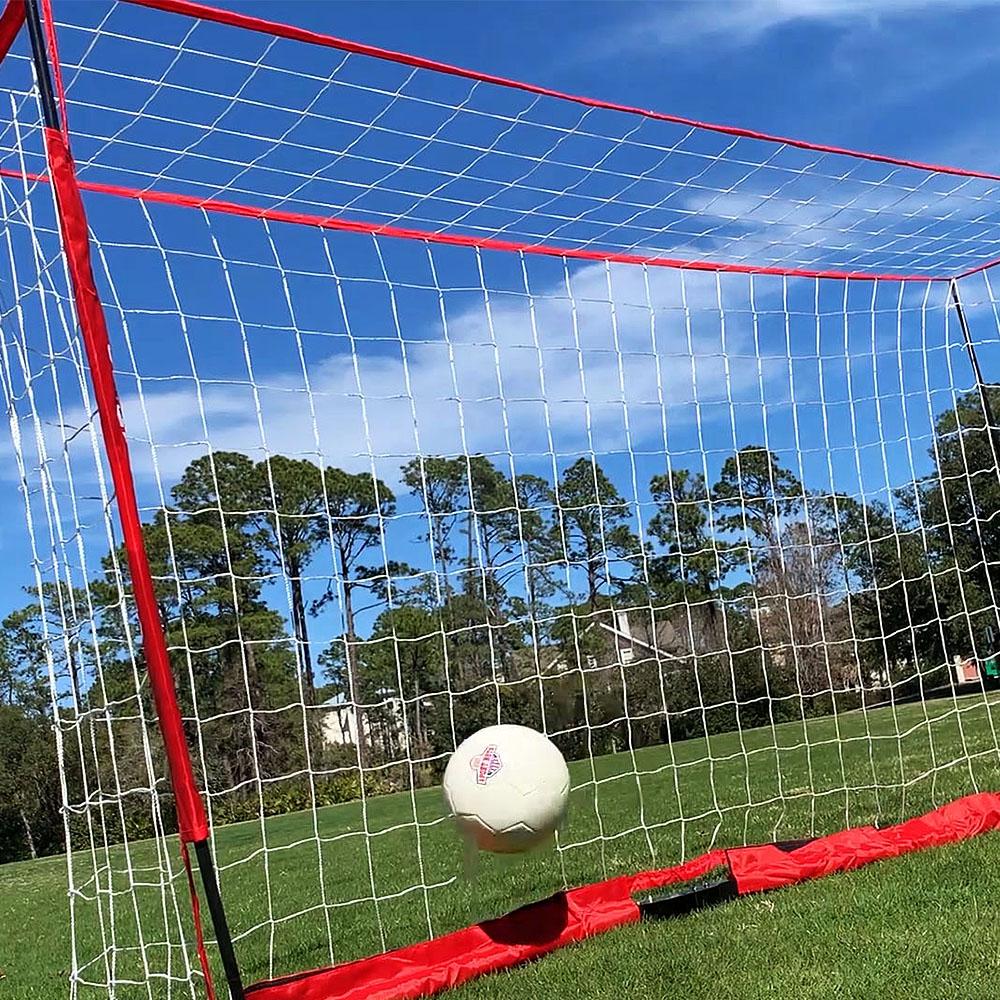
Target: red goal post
{"points": [[525, 283]]}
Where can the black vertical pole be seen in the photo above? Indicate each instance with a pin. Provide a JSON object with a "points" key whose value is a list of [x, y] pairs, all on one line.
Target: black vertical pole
{"points": [[984, 399], [50, 113], [220, 925], [977, 372], [50, 117]]}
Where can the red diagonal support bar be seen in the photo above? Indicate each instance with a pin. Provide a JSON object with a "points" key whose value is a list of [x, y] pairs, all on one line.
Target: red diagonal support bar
{"points": [[11, 22], [191, 820]]}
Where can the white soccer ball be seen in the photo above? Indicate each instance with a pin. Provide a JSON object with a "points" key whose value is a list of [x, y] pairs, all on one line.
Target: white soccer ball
{"points": [[507, 787]]}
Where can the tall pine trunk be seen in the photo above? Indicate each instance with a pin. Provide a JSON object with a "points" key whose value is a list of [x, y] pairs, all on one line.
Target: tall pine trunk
{"points": [[301, 630], [360, 736], [28, 835], [593, 578]]}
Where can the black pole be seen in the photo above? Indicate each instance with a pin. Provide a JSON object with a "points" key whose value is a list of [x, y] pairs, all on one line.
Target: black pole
{"points": [[50, 116], [977, 372], [39, 56], [984, 399], [219, 923]]}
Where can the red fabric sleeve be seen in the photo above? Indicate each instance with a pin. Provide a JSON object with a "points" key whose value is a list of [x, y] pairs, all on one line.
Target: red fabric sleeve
{"points": [[191, 821], [535, 930], [758, 868], [11, 21], [525, 934]]}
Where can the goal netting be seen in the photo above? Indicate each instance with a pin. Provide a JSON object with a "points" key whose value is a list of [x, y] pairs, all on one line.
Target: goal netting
{"points": [[451, 401]]}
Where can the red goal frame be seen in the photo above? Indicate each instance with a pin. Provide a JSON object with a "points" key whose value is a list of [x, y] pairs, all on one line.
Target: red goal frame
{"points": [[570, 916]]}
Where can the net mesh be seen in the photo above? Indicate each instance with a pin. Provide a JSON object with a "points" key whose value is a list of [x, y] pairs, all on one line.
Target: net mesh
{"points": [[156, 100], [722, 536]]}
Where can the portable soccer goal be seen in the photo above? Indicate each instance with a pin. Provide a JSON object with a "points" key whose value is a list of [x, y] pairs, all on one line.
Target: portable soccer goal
{"points": [[359, 401]]}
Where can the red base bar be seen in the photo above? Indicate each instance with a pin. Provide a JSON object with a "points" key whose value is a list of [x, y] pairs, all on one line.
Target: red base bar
{"points": [[756, 869], [534, 930]]}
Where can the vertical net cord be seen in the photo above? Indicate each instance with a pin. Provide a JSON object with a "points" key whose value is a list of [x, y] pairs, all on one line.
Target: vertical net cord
{"points": [[689, 348], [118, 308], [818, 596], [662, 427], [992, 431], [66, 594], [777, 518], [686, 521]]}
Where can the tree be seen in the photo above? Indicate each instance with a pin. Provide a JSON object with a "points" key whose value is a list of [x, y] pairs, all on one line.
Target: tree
{"points": [[680, 525], [403, 654], [60, 625], [491, 528], [440, 484], [357, 505], [890, 593], [26, 637], [756, 498], [593, 525], [29, 785], [229, 650], [536, 538], [273, 506], [288, 501], [958, 507]]}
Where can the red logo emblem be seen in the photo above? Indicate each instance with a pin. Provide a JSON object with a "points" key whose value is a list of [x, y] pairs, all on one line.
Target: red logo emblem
{"points": [[487, 765]]}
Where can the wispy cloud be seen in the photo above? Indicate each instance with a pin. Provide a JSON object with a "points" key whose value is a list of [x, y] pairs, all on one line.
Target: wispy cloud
{"points": [[588, 371], [739, 24], [597, 369]]}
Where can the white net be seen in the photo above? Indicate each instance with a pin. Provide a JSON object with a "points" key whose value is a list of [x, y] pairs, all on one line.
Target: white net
{"points": [[729, 539]]}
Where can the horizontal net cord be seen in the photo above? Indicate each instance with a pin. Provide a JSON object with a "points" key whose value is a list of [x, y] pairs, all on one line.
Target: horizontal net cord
{"points": [[583, 912], [276, 28], [978, 269], [248, 117], [691, 721], [460, 240]]}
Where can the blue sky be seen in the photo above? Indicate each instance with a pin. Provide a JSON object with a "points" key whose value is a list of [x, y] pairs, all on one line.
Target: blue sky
{"points": [[908, 78], [911, 77]]}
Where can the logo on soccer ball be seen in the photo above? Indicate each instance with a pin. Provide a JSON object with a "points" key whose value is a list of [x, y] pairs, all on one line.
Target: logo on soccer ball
{"points": [[487, 765]]}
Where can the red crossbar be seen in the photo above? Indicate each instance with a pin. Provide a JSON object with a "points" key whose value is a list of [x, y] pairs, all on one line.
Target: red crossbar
{"points": [[248, 22]]}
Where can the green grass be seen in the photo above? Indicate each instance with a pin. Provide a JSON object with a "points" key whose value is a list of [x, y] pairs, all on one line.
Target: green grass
{"points": [[845, 936], [916, 928]]}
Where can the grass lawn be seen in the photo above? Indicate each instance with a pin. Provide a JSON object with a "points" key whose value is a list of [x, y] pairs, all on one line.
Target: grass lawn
{"points": [[918, 927]]}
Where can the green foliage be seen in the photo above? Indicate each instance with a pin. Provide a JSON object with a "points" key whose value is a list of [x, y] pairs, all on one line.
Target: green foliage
{"points": [[24, 656], [594, 526], [681, 526], [30, 824], [296, 795], [782, 604]]}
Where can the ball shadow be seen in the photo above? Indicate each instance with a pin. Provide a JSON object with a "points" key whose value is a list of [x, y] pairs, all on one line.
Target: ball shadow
{"points": [[535, 924]]}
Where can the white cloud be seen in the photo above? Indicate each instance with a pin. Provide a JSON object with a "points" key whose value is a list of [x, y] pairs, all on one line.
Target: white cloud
{"points": [[490, 385], [595, 371], [743, 22]]}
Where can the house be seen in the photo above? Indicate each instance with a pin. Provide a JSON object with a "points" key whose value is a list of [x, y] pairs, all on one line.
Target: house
{"points": [[383, 721], [340, 718], [669, 636], [339, 721]]}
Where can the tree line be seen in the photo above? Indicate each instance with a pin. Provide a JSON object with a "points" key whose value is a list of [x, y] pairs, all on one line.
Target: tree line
{"points": [[749, 599]]}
